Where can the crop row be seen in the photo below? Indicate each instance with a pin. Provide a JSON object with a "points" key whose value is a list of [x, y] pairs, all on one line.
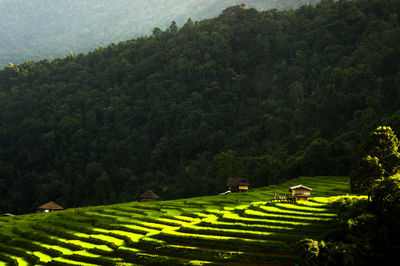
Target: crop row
{"points": [[227, 229]]}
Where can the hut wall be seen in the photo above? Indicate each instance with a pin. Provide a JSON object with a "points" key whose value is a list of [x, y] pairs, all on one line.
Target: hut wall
{"points": [[301, 190]]}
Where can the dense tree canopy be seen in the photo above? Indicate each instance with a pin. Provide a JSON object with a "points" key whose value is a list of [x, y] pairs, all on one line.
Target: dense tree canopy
{"points": [[265, 95]]}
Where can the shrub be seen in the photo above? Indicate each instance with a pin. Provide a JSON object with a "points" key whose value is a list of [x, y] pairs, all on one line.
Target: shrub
{"points": [[350, 206], [308, 250]]}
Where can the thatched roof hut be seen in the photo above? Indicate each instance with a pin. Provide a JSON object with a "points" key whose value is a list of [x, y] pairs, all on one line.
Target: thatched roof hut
{"points": [[7, 214], [237, 184], [300, 192], [148, 195], [50, 207]]}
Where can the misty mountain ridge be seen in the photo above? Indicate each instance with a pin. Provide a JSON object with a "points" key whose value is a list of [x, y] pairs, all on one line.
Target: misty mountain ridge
{"points": [[38, 29]]}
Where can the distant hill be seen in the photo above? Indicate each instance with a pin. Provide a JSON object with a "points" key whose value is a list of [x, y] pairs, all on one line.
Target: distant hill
{"points": [[262, 95], [38, 29]]}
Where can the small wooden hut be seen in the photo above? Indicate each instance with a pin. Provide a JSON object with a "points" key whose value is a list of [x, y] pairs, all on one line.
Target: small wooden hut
{"points": [[7, 214], [148, 195], [50, 206], [238, 184], [300, 192]]}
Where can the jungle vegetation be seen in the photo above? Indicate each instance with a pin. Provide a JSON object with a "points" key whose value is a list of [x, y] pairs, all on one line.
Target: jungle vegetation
{"points": [[265, 95], [368, 228]]}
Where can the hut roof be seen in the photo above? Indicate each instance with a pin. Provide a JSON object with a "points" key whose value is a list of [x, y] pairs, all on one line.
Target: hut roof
{"points": [[234, 182], [299, 186], [148, 194], [51, 205], [7, 214]]}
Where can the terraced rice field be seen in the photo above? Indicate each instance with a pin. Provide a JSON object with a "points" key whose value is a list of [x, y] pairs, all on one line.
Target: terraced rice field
{"points": [[233, 229]]}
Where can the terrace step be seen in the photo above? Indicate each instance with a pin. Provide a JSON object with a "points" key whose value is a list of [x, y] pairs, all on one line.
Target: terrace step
{"points": [[299, 212], [234, 229], [245, 234], [220, 256], [293, 230], [279, 216]]}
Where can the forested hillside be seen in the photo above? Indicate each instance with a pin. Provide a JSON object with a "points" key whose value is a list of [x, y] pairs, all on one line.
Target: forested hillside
{"points": [[38, 29], [265, 95]]}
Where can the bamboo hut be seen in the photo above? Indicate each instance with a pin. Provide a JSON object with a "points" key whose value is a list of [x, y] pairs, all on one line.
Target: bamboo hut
{"points": [[50, 207], [300, 192], [148, 195], [238, 184]]}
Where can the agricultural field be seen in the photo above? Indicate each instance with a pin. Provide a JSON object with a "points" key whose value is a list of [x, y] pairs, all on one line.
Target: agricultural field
{"points": [[231, 229]]}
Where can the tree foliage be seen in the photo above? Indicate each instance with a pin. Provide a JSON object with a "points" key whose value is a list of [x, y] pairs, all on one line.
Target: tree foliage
{"points": [[383, 160], [369, 229], [37, 29], [384, 145], [364, 176], [266, 96]]}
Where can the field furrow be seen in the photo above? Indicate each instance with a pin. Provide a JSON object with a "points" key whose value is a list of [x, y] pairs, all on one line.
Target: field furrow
{"points": [[234, 229]]}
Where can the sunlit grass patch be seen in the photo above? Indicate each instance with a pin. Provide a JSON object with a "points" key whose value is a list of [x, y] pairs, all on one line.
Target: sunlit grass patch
{"points": [[198, 229], [244, 226], [171, 212], [241, 207], [122, 234], [311, 203], [215, 242], [19, 260], [187, 219], [191, 235], [289, 216], [63, 250], [236, 218], [240, 233], [208, 217], [86, 254], [87, 245], [302, 207], [176, 222], [122, 213], [215, 237], [5, 258], [93, 214], [133, 250], [295, 211], [143, 211], [323, 200], [141, 227], [109, 239], [218, 212], [44, 258], [159, 226], [65, 261]]}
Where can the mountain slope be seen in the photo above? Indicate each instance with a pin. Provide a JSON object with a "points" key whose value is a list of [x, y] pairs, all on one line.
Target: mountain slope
{"points": [[38, 29], [238, 228], [261, 95]]}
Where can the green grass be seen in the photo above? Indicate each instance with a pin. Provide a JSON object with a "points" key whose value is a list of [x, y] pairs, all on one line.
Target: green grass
{"points": [[238, 228]]}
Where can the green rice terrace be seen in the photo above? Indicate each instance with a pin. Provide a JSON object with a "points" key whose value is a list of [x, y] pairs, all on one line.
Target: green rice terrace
{"points": [[232, 229]]}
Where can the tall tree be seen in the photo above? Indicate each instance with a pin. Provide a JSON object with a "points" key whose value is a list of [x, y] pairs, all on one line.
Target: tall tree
{"points": [[384, 145], [382, 160], [364, 176]]}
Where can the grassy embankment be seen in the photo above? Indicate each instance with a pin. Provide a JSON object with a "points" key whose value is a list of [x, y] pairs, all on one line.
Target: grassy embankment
{"points": [[238, 228]]}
